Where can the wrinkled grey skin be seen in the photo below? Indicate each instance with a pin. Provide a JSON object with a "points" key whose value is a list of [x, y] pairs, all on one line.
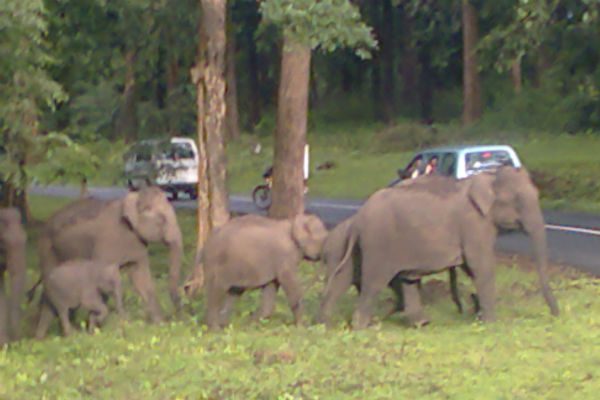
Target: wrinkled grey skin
{"points": [[350, 273], [13, 240], [117, 231], [438, 222], [79, 283], [253, 252]]}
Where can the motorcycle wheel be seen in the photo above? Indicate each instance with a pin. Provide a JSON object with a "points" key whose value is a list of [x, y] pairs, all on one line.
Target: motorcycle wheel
{"points": [[261, 196]]}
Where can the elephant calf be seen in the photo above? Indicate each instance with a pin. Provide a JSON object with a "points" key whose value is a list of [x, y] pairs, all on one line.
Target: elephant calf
{"points": [[253, 252], [79, 283]]}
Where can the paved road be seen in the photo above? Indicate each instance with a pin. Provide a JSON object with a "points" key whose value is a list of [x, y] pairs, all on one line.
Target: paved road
{"points": [[573, 238]]}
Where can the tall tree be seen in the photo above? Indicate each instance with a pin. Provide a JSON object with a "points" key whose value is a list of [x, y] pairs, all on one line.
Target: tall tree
{"points": [[471, 81], [232, 119], [208, 75], [306, 25], [26, 94]]}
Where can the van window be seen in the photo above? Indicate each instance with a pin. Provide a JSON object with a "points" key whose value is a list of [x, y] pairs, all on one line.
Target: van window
{"points": [[142, 152], [175, 151], [183, 150]]}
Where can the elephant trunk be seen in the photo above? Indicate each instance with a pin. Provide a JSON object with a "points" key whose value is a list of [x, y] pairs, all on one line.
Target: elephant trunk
{"points": [[174, 241], [534, 226], [15, 265]]}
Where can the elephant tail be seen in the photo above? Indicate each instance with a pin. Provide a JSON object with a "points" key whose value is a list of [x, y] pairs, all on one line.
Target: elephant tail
{"points": [[31, 292], [350, 243]]}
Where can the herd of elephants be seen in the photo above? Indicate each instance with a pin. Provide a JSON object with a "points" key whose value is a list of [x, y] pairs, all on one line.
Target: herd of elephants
{"points": [[399, 234]]}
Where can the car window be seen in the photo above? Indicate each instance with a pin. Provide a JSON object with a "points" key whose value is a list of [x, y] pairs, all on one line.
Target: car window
{"points": [[415, 163], [447, 164], [479, 161]]}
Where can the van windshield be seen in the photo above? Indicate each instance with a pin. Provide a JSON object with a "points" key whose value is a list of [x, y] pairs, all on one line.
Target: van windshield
{"points": [[487, 161], [176, 151]]}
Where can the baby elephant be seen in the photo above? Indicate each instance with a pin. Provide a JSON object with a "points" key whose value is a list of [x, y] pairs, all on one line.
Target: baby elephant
{"points": [[253, 252], [79, 283]]}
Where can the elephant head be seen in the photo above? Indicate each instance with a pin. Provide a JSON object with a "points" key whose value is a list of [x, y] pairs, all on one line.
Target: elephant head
{"points": [[153, 219], [512, 201], [309, 233], [12, 243]]}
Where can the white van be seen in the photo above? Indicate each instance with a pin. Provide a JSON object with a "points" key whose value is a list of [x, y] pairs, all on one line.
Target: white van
{"points": [[171, 164]]}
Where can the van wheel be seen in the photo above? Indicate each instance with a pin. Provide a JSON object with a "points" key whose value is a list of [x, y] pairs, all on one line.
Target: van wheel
{"points": [[193, 194], [174, 195]]}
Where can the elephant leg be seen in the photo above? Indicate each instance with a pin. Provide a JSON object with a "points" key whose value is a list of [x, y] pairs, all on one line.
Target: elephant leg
{"points": [[215, 297], [397, 285], [98, 310], [267, 307], [454, 289], [142, 282], [227, 306], [474, 298], [336, 288], [370, 288], [3, 313], [63, 315], [97, 316], [413, 307], [46, 315], [481, 265], [291, 286], [17, 289]]}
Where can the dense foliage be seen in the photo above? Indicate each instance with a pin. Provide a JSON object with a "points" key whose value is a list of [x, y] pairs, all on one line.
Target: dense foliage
{"points": [[81, 71]]}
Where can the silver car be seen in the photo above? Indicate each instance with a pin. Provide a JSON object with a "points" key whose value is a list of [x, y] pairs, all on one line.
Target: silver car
{"points": [[459, 161]]}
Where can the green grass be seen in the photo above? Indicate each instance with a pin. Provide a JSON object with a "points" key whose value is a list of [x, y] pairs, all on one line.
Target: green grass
{"points": [[525, 354]]}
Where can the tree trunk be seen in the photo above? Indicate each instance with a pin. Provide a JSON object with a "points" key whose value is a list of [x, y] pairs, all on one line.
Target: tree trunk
{"points": [[471, 81], [409, 64], [208, 75], [516, 73], [388, 50], [425, 87], [128, 124], [171, 78], [232, 119], [290, 135]]}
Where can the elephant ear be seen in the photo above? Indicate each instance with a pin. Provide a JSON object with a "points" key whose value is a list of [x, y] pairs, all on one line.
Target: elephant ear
{"points": [[481, 193], [130, 208]]}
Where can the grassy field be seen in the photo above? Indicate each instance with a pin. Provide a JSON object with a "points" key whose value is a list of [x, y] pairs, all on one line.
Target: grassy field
{"points": [[525, 354]]}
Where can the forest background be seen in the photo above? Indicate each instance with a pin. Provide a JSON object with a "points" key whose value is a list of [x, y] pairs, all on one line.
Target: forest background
{"points": [[80, 80]]}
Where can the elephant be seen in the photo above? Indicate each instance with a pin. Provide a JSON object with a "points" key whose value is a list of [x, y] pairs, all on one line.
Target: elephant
{"points": [[252, 252], [79, 283], [117, 231], [440, 222], [13, 240], [350, 274]]}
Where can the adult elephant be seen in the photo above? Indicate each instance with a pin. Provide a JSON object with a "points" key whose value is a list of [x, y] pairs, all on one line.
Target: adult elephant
{"points": [[439, 222], [117, 231], [12, 262], [350, 274]]}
